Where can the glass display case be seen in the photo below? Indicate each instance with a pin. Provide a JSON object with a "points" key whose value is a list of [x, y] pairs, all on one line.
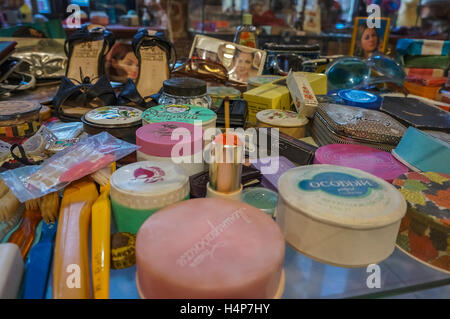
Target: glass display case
{"points": [[327, 23], [323, 29], [396, 277], [272, 17]]}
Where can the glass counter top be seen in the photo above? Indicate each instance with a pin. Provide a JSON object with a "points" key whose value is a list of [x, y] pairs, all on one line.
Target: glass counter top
{"points": [[306, 279]]}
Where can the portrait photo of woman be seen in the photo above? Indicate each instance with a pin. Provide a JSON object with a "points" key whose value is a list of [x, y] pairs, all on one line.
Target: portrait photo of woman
{"points": [[121, 63], [367, 40], [240, 62], [243, 65]]}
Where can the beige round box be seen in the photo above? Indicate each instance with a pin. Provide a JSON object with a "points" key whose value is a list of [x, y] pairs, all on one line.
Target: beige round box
{"points": [[340, 216], [287, 122]]}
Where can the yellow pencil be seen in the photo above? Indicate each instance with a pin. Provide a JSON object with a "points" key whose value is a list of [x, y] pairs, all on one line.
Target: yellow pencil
{"points": [[100, 242], [101, 247]]}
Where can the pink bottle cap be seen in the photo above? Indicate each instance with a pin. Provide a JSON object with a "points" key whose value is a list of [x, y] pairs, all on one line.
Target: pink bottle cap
{"points": [[158, 139], [379, 163]]}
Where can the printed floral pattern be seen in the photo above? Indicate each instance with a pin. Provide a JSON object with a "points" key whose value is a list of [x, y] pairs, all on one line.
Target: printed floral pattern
{"points": [[398, 182], [278, 115], [425, 230], [114, 113], [404, 225], [422, 247], [414, 186], [403, 241], [439, 178], [442, 198], [442, 262], [413, 197], [307, 94], [298, 103], [418, 177]]}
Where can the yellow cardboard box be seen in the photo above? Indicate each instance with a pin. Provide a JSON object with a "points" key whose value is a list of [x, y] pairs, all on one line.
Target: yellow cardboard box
{"points": [[318, 82], [268, 96]]}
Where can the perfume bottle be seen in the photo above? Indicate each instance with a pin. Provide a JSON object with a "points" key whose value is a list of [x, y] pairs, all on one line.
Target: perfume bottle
{"points": [[246, 33], [146, 18]]}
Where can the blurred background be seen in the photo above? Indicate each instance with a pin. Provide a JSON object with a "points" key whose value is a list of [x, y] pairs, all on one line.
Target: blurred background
{"points": [[326, 22]]}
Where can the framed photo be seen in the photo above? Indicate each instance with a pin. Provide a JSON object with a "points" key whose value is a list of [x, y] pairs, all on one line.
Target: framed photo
{"points": [[240, 61], [121, 63], [366, 40]]}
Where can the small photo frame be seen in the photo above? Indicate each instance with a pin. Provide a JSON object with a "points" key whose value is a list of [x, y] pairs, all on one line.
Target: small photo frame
{"points": [[121, 63], [367, 40], [240, 61]]}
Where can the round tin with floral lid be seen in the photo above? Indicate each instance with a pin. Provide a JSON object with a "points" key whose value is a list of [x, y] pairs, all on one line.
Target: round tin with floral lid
{"points": [[140, 189], [288, 122], [338, 215], [218, 93], [114, 115], [425, 230], [120, 121]]}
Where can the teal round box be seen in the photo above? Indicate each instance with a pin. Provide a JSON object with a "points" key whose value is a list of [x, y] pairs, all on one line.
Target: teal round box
{"points": [[140, 189], [262, 198], [184, 113]]}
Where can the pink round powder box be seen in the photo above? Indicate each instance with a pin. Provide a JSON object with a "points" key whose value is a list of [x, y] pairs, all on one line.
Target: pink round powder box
{"points": [[160, 140], [379, 163]]}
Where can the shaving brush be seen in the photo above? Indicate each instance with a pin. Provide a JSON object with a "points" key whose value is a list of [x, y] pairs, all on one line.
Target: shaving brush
{"points": [[32, 204], [8, 202], [103, 175], [49, 206], [3, 188]]}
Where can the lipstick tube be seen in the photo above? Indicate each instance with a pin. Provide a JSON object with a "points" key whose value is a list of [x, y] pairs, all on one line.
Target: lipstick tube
{"points": [[225, 168]]}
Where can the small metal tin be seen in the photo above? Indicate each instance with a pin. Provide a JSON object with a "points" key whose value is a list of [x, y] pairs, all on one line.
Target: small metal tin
{"points": [[119, 121], [261, 198]]}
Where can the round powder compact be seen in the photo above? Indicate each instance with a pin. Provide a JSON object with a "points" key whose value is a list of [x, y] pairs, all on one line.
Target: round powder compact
{"points": [[210, 248], [119, 121], [338, 215], [371, 160], [140, 189], [288, 122], [361, 98], [184, 113], [262, 198], [177, 143], [218, 93]]}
